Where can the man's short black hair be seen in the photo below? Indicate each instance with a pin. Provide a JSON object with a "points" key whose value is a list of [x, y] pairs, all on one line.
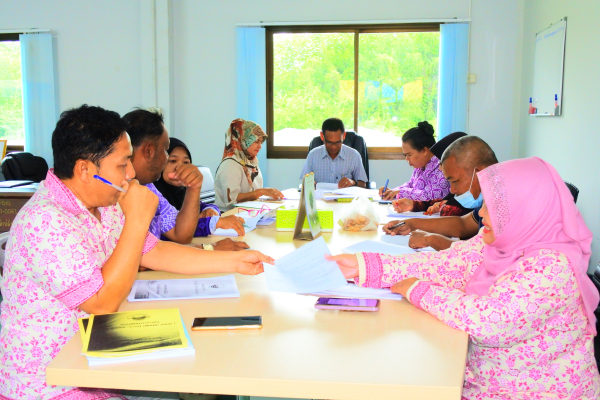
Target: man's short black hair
{"points": [[84, 133], [333, 125], [143, 125]]}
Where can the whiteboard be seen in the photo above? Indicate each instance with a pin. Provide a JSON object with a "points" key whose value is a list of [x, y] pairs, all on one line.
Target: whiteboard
{"points": [[548, 69]]}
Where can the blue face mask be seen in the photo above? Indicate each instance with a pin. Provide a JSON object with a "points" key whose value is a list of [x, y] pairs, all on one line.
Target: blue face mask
{"points": [[467, 200]]}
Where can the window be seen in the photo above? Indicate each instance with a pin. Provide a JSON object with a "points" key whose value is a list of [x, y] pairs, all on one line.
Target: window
{"points": [[11, 97], [380, 80]]}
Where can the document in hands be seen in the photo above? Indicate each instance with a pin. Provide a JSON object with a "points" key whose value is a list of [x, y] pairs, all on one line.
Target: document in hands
{"points": [[409, 214], [181, 289], [373, 246], [304, 270]]}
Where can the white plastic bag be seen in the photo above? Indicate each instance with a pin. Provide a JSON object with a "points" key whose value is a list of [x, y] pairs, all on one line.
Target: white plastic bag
{"points": [[360, 215]]}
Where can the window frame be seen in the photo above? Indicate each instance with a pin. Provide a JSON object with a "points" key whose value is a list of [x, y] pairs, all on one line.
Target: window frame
{"points": [[300, 152], [12, 37]]}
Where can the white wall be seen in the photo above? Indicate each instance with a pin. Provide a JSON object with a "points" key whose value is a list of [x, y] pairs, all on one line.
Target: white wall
{"points": [[96, 46], [568, 142], [206, 105], [102, 58]]}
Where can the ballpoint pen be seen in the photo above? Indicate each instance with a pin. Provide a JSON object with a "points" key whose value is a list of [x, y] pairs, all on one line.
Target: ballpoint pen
{"points": [[397, 225], [110, 184], [385, 187]]}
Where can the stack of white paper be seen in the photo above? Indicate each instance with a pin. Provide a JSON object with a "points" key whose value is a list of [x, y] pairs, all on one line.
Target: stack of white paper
{"points": [[373, 246], [353, 291], [355, 191], [400, 240], [180, 289], [409, 214], [327, 187], [305, 270]]}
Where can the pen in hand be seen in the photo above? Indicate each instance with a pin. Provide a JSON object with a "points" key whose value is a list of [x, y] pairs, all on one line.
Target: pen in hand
{"points": [[109, 183], [397, 225]]}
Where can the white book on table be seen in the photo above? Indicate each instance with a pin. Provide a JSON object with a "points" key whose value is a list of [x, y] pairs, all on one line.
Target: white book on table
{"points": [[182, 289]]}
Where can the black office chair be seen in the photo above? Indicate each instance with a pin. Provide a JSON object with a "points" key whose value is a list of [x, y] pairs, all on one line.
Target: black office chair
{"points": [[574, 190], [595, 277], [353, 140]]}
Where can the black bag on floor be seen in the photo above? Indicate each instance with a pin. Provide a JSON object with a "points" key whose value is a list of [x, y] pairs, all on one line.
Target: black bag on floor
{"points": [[24, 166]]}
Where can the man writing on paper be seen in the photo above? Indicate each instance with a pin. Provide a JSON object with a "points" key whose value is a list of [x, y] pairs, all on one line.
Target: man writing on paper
{"points": [[460, 163], [334, 162], [75, 248], [150, 140]]}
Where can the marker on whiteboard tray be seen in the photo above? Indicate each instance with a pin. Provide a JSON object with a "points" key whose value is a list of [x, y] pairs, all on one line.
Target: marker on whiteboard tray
{"points": [[556, 108], [530, 105]]}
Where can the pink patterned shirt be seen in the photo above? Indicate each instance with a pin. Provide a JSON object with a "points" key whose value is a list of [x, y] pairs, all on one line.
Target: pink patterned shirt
{"points": [[54, 258], [425, 184], [528, 337]]}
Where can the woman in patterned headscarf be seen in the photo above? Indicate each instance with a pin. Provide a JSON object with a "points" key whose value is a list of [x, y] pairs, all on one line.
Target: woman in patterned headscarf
{"points": [[519, 288], [238, 177]]}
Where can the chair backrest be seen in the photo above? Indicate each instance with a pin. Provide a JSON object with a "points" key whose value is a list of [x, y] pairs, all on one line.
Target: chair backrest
{"points": [[595, 277], [207, 194], [24, 166], [3, 240], [574, 190], [353, 140]]}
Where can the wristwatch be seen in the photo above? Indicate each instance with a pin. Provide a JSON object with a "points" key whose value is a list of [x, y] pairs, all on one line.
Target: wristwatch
{"points": [[208, 246]]}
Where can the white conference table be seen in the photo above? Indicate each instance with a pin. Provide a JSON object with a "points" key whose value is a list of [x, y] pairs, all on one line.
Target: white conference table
{"points": [[399, 352]]}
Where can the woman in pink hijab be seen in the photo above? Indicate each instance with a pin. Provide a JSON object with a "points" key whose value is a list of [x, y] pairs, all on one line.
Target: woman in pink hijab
{"points": [[520, 285]]}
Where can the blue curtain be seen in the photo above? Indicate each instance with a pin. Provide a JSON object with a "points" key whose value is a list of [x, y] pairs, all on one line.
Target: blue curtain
{"points": [[251, 83], [452, 84], [39, 101]]}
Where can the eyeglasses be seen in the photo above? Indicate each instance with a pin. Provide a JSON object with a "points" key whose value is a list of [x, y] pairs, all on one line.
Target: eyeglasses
{"points": [[253, 212]]}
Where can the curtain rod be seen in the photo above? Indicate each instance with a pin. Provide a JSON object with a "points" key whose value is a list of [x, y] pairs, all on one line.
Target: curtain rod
{"points": [[369, 21], [33, 30]]}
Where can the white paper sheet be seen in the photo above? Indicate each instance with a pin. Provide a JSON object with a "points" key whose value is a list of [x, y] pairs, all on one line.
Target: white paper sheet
{"points": [[181, 289], [266, 221], [409, 214], [327, 187], [400, 240], [374, 246], [355, 191], [249, 221], [304, 270], [291, 194], [353, 291]]}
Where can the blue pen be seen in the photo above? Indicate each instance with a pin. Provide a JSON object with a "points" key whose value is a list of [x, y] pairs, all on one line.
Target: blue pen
{"points": [[110, 184], [385, 187]]}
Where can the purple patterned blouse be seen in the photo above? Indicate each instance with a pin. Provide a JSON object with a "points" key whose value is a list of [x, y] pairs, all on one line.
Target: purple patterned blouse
{"points": [[425, 183]]}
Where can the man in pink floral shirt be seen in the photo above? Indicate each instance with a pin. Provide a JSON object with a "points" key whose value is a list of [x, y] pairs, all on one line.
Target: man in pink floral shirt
{"points": [[75, 249]]}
